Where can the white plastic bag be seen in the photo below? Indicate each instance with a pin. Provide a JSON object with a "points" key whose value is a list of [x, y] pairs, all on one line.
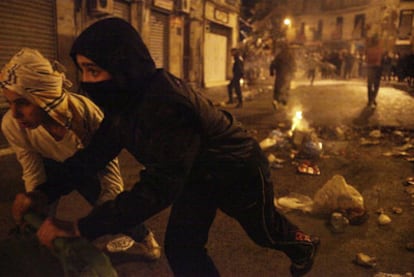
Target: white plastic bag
{"points": [[294, 201], [336, 195]]}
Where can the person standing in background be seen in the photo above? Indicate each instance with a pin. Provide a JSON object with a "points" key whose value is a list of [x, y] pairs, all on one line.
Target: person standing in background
{"points": [[386, 64], [283, 68], [238, 73], [373, 58]]}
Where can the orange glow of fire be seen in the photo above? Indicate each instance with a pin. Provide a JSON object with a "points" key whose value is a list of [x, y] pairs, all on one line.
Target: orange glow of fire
{"points": [[296, 121]]}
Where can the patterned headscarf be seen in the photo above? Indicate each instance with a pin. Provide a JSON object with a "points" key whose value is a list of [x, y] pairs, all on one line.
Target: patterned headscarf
{"points": [[32, 76]]}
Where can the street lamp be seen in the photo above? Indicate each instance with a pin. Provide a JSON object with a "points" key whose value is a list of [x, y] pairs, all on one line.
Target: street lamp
{"points": [[286, 25], [287, 22]]}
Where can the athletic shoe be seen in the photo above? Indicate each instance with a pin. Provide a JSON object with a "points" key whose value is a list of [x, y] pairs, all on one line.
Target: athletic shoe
{"points": [[275, 105], [148, 248], [120, 244], [301, 251]]}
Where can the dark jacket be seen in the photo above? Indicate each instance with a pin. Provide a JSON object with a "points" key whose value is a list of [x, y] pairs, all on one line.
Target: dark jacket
{"points": [[238, 68], [283, 65], [171, 130]]}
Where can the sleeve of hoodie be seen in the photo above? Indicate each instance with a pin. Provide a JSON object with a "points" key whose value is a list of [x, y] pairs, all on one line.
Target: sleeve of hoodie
{"points": [[104, 146], [167, 143]]}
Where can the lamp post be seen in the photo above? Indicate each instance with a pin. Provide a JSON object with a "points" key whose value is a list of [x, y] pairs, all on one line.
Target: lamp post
{"points": [[286, 24]]}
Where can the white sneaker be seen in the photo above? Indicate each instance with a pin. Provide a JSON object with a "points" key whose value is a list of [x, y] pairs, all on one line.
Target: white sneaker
{"points": [[275, 105], [148, 248], [120, 244]]}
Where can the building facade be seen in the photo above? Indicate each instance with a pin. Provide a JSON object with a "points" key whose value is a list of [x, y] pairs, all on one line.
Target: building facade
{"points": [[189, 38], [345, 24]]}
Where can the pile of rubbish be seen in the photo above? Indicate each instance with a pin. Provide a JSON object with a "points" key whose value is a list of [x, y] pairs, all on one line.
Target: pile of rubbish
{"points": [[305, 147], [337, 201], [404, 143]]}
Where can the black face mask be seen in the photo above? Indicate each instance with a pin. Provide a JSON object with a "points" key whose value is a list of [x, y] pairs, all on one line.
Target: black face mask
{"points": [[106, 94]]}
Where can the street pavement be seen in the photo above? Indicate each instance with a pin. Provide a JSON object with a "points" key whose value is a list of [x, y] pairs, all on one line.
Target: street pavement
{"points": [[329, 104], [338, 102]]}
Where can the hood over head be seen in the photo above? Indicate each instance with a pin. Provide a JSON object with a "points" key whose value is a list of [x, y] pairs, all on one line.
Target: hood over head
{"points": [[115, 46]]}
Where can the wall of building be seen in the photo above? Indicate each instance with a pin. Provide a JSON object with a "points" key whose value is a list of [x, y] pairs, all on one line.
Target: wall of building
{"points": [[196, 40], [176, 46], [381, 17], [66, 33], [186, 22]]}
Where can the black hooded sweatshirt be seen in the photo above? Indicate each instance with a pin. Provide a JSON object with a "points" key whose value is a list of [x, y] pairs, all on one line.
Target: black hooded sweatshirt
{"points": [[172, 130]]}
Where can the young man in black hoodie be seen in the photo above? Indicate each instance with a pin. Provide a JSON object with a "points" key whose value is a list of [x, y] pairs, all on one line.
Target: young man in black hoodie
{"points": [[197, 159]]}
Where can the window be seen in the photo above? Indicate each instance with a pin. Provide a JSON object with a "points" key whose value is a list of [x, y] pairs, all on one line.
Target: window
{"points": [[337, 33], [406, 21], [359, 27], [318, 31]]}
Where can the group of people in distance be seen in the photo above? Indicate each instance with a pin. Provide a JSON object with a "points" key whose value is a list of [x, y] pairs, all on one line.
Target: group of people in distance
{"points": [[197, 158]]}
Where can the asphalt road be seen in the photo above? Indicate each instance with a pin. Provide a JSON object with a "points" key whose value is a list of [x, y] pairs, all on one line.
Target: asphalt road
{"points": [[336, 111]]}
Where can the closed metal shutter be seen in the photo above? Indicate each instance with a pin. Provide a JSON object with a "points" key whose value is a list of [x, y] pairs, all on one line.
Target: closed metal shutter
{"points": [[216, 55], [121, 9], [158, 43], [27, 24]]}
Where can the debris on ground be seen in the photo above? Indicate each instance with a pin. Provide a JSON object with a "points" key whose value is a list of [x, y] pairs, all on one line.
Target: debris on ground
{"points": [[274, 138], [338, 222], [311, 148], [340, 133], [397, 210], [275, 162], [307, 167], [367, 142], [409, 159], [410, 189], [406, 147], [365, 260], [383, 274], [375, 134], [384, 219], [356, 215], [396, 153], [410, 181], [294, 201], [336, 195]]}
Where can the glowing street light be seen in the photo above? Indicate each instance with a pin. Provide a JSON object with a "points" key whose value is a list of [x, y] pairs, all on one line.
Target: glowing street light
{"points": [[287, 22]]}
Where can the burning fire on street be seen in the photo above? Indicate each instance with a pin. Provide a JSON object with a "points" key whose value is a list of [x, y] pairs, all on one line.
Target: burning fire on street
{"points": [[306, 146]]}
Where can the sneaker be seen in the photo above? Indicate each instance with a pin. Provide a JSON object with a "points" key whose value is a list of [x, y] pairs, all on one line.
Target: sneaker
{"points": [[301, 251], [120, 244], [148, 248], [239, 105], [275, 105], [302, 265], [229, 102], [372, 105]]}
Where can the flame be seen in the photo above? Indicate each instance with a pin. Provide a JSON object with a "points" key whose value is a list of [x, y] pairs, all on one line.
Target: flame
{"points": [[296, 121]]}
